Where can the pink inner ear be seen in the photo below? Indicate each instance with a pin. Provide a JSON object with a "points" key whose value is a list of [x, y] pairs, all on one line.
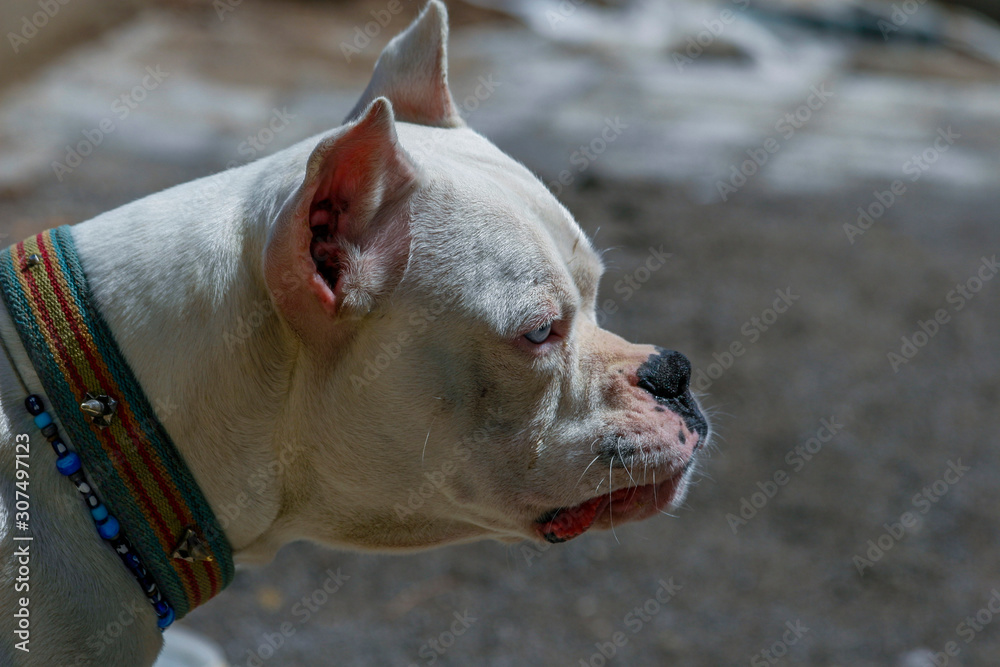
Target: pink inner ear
{"points": [[327, 212], [324, 248]]}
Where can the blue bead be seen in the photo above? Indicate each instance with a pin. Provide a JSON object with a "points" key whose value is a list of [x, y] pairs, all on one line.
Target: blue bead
{"points": [[109, 529], [34, 405], [161, 608], [147, 584], [164, 621], [43, 419], [68, 464], [99, 513]]}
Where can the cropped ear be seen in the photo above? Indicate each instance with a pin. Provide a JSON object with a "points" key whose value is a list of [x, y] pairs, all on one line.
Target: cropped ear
{"points": [[412, 73], [342, 242]]}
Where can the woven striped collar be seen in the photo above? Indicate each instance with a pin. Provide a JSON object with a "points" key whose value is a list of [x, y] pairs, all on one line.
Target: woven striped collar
{"points": [[132, 463]]}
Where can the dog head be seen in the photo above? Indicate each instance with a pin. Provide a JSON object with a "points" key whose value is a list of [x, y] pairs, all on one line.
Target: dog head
{"points": [[444, 303]]}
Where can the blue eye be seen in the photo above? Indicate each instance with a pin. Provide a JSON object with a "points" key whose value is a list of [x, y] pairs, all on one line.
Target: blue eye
{"points": [[539, 335]]}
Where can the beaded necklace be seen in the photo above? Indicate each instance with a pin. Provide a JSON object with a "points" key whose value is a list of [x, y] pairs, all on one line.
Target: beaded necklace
{"points": [[143, 499]]}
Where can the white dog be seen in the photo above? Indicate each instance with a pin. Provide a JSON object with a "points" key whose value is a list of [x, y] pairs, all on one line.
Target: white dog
{"points": [[382, 338]]}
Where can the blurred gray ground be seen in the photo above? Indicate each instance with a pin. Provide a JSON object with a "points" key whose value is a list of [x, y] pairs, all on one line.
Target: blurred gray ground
{"points": [[680, 131]]}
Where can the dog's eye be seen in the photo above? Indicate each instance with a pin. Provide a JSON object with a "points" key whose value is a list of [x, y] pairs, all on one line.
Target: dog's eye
{"points": [[539, 335]]}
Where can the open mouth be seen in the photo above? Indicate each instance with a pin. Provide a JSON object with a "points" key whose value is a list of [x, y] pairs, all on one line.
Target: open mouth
{"points": [[628, 504]]}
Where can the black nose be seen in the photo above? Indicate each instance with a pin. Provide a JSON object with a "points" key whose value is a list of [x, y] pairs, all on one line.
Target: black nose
{"points": [[665, 374]]}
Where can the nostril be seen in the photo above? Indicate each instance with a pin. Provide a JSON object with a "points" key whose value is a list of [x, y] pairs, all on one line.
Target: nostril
{"points": [[666, 374]]}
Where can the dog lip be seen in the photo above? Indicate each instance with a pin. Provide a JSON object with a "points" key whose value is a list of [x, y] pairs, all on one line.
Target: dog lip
{"points": [[565, 523]]}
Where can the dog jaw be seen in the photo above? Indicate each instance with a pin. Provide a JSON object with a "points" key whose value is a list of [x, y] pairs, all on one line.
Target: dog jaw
{"points": [[630, 503]]}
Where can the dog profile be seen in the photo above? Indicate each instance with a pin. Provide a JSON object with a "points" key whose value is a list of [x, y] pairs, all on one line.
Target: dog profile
{"points": [[423, 365]]}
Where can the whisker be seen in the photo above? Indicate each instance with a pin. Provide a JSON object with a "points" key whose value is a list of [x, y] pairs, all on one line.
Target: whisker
{"points": [[588, 465], [618, 446], [611, 511], [578, 482], [585, 470], [424, 451]]}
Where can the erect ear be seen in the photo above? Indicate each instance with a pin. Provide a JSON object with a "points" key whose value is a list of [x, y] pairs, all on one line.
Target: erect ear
{"points": [[341, 243], [412, 73]]}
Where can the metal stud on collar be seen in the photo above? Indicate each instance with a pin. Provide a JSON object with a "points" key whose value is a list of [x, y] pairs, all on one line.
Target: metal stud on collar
{"points": [[32, 261], [100, 409], [191, 548]]}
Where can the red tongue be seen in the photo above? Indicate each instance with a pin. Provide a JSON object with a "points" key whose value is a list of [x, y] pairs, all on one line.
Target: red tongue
{"points": [[571, 522]]}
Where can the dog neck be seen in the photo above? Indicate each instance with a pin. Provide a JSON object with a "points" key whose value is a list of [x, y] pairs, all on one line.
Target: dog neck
{"points": [[182, 291]]}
